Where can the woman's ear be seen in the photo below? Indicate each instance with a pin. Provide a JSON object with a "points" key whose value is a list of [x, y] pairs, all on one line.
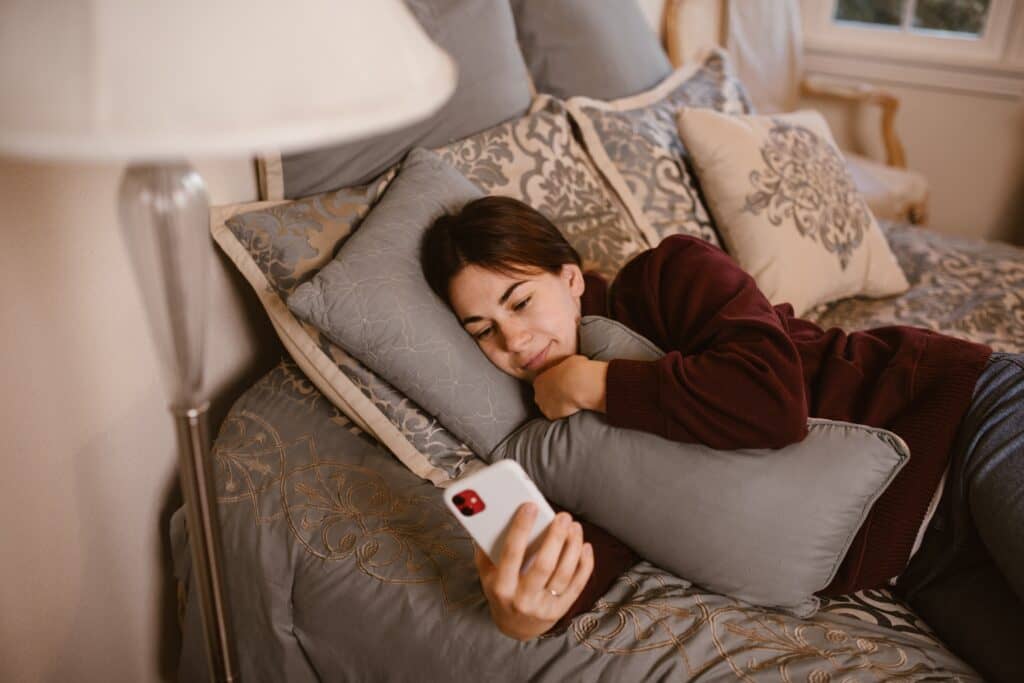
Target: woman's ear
{"points": [[573, 277]]}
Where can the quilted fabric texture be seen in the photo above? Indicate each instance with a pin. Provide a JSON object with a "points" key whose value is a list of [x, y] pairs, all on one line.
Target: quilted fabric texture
{"points": [[635, 142], [536, 159], [373, 301], [770, 527], [787, 209]]}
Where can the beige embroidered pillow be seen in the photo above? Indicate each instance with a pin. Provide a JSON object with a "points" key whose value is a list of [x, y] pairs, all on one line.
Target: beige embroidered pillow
{"points": [[787, 209]]}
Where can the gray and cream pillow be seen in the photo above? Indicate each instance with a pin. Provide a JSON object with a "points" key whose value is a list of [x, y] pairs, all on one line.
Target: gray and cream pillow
{"points": [[635, 142], [537, 160], [278, 246], [787, 209]]}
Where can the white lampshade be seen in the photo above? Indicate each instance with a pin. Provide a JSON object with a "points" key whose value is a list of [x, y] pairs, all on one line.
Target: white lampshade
{"points": [[157, 79]]}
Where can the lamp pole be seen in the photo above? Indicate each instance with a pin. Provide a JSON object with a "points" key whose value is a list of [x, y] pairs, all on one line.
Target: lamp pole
{"points": [[164, 210]]}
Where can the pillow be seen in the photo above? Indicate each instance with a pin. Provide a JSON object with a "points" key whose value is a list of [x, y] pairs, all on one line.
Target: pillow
{"points": [[537, 160], [604, 50], [787, 209], [770, 527], [493, 86], [635, 143], [373, 301], [279, 245]]}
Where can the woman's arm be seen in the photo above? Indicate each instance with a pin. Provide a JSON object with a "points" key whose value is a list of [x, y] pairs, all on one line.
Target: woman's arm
{"points": [[731, 376], [522, 604]]}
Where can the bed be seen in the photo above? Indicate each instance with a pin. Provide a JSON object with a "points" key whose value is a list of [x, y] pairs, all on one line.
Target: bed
{"points": [[343, 563]]}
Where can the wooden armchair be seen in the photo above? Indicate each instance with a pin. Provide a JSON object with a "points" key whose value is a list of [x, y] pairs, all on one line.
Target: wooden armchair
{"points": [[891, 189]]}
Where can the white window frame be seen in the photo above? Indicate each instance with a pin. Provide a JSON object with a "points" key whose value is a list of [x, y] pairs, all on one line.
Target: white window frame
{"points": [[989, 49], [992, 64]]}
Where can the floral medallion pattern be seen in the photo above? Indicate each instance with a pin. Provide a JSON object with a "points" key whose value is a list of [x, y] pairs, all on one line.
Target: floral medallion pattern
{"points": [[536, 160], [967, 288], [805, 182], [336, 508], [643, 145]]}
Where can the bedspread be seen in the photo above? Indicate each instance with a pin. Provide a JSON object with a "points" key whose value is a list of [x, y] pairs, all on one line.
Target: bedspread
{"points": [[342, 565]]}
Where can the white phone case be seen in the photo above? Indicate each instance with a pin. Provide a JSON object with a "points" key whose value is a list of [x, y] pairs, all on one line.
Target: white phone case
{"points": [[493, 495]]}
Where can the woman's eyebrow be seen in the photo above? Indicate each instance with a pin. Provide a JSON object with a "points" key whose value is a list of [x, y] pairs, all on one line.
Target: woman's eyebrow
{"points": [[504, 297]]}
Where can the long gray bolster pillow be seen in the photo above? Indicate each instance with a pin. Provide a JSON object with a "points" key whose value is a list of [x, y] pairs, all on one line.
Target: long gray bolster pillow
{"points": [[767, 526]]}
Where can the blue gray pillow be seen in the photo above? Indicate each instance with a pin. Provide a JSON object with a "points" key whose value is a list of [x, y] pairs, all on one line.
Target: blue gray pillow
{"points": [[770, 527], [373, 301], [598, 48], [493, 86]]}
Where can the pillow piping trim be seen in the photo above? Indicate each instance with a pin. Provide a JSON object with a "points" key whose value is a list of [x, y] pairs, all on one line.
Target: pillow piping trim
{"points": [[896, 444]]}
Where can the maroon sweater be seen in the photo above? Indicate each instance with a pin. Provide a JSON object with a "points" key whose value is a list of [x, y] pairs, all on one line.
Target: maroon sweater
{"points": [[741, 373]]}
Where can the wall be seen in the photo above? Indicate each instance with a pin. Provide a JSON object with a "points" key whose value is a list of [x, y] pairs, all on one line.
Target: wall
{"points": [[89, 457], [970, 147]]}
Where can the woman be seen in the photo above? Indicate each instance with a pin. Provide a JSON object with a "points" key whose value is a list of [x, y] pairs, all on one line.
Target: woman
{"points": [[741, 373]]}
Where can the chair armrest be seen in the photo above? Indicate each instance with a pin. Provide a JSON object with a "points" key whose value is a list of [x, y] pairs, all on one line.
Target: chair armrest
{"points": [[864, 93]]}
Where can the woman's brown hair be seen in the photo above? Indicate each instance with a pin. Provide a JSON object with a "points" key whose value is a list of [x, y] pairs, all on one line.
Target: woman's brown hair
{"points": [[496, 233]]}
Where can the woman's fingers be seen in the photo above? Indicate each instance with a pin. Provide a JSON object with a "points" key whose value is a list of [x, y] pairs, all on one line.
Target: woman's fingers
{"points": [[580, 577], [536, 578], [568, 561], [506, 579]]}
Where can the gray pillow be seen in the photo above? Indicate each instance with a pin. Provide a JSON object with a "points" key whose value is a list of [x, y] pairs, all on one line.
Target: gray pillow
{"points": [[603, 49], [493, 86], [770, 527], [373, 301]]}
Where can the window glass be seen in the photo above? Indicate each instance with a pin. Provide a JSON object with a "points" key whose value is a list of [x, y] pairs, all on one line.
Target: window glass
{"points": [[885, 12], [960, 16]]}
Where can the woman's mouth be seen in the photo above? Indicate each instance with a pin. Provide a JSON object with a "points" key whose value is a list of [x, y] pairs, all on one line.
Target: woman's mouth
{"points": [[538, 360]]}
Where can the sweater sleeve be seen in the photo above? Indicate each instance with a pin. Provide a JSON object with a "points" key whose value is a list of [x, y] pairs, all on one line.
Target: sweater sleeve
{"points": [[731, 376]]}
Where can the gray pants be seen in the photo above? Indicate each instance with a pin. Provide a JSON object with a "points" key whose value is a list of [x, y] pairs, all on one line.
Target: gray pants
{"points": [[967, 579]]}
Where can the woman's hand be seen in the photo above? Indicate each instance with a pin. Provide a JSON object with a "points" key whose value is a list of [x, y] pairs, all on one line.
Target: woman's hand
{"points": [[576, 383], [527, 605]]}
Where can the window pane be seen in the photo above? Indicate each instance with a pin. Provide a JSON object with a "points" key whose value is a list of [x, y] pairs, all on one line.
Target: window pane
{"points": [[887, 12], [962, 16]]}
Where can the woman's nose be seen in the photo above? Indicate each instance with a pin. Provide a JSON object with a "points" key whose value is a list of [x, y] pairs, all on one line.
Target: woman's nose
{"points": [[516, 336]]}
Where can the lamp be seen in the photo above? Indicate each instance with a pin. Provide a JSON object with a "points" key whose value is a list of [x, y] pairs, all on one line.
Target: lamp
{"points": [[154, 82]]}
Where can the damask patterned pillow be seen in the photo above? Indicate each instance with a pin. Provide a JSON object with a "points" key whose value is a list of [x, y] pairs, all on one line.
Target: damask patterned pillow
{"points": [[635, 143], [787, 209], [537, 160], [279, 245]]}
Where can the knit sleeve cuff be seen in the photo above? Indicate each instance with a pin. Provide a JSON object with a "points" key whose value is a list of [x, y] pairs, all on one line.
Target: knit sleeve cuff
{"points": [[631, 395]]}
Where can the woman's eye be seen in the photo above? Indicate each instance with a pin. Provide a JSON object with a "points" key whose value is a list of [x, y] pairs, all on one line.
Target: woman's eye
{"points": [[522, 304], [483, 333]]}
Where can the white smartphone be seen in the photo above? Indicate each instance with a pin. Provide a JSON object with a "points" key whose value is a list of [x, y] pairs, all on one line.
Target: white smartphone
{"points": [[485, 501]]}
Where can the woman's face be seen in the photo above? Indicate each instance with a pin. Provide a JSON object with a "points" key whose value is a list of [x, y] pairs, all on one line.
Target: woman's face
{"points": [[524, 323]]}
